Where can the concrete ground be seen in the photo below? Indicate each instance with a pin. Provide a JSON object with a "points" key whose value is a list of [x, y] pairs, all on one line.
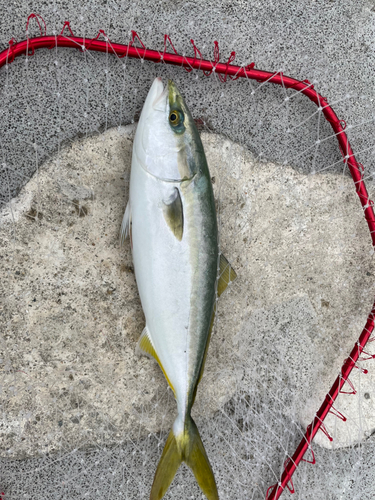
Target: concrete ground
{"points": [[65, 409]]}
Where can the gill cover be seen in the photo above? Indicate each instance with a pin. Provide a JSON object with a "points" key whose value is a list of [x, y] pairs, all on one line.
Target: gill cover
{"points": [[166, 136]]}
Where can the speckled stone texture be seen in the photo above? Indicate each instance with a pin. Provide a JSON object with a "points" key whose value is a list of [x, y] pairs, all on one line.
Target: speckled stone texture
{"points": [[73, 315], [61, 94]]}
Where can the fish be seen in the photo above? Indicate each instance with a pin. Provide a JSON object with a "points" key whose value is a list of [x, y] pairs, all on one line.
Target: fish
{"points": [[171, 221]]}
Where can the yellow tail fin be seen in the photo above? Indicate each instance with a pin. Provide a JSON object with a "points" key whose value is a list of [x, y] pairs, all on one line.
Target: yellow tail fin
{"points": [[186, 447]]}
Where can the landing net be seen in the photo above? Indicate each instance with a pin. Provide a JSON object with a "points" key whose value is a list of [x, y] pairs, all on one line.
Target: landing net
{"points": [[286, 402]]}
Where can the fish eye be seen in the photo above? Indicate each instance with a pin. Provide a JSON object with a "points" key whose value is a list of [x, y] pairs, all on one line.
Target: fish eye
{"points": [[175, 117]]}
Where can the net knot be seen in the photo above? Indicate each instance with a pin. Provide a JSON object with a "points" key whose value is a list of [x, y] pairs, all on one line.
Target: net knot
{"points": [[66, 25], [90, 42], [196, 51], [37, 17], [216, 59], [10, 55], [135, 37], [167, 39]]}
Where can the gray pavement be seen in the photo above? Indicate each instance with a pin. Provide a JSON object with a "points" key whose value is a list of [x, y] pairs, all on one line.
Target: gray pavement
{"points": [[329, 42]]}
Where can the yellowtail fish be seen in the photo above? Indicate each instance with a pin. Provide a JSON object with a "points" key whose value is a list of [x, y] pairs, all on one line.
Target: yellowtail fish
{"points": [[171, 220]]}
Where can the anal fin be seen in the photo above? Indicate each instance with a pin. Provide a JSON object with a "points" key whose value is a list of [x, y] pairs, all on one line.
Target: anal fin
{"points": [[145, 346]]}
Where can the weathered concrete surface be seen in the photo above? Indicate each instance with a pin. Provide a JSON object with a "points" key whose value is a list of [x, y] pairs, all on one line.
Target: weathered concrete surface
{"points": [[71, 314], [303, 255]]}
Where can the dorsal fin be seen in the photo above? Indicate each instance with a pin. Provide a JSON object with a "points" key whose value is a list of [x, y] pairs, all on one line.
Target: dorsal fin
{"points": [[226, 275], [146, 347], [173, 214]]}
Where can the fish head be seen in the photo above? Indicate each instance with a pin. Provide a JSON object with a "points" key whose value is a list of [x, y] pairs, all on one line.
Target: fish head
{"points": [[167, 138]]}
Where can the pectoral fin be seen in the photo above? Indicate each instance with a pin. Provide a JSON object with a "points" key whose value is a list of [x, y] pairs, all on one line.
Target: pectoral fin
{"points": [[146, 347], [173, 214]]}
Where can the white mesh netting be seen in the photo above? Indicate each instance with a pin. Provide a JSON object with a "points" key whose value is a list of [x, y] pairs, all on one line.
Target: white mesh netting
{"points": [[81, 415]]}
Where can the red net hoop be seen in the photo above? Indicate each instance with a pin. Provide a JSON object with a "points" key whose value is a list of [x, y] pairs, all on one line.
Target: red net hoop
{"points": [[137, 50]]}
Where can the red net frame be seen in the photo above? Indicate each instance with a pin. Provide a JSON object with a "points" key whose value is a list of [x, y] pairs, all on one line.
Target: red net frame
{"points": [[225, 70]]}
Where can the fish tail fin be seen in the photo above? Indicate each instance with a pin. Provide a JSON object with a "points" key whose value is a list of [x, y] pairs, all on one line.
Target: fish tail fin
{"points": [[196, 458], [186, 447], [169, 462]]}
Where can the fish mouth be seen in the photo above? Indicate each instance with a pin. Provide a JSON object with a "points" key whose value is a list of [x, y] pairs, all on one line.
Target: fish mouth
{"points": [[160, 101], [163, 94]]}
